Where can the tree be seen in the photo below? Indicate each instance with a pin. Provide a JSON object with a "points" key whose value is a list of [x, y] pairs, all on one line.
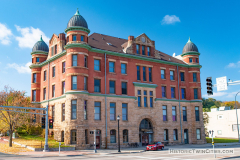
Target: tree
{"points": [[205, 122], [231, 104], [9, 119]]}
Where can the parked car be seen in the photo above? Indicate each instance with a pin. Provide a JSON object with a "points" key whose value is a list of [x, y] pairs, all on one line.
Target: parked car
{"points": [[154, 146]]}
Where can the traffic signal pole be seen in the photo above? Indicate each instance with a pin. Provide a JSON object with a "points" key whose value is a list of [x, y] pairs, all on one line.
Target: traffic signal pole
{"points": [[46, 149]]}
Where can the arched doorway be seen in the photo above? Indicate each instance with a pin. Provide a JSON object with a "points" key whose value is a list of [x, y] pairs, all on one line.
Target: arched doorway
{"points": [[145, 132]]}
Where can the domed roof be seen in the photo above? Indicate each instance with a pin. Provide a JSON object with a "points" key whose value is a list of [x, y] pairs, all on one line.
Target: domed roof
{"points": [[40, 46], [189, 47], [77, 20]]}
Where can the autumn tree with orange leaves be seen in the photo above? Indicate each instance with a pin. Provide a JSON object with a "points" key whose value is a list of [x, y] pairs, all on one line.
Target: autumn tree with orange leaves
{"points": [[10, 119]]}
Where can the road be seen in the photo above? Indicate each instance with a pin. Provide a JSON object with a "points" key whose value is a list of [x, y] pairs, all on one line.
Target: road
{"points": [[162, 154]]}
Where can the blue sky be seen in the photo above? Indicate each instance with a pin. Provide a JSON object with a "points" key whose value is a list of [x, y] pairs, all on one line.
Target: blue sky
{"points": [[212, 25]]}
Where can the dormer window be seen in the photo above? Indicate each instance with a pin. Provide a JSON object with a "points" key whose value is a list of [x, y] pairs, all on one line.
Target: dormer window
{"points": [[190, 60], [74, 37], [137, 48], [82, 38], [143, 50], [148, 49]]}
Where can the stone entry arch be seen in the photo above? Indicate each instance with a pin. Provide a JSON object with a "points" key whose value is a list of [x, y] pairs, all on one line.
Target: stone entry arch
{"points": [[145, 132]]}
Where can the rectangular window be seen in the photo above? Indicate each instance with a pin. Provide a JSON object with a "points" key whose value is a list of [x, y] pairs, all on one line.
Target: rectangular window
{"points": [[97, 85], [112, 67], [113, 136], [63, 67], [165, 135], [53, 90], [139, 98], [124, 87], [125, 136], [163, 74], [53, 113], [63, 87], [145, 101], [63, 112], [124, 112], [195, 93], [86, 136], [194, 77], [85, 61], [190, 60], [138, 73], [45, 75], [183, 93], [74, 60], [150, 74], [34, 118], [148, 50], [143, 50], [53, 71], [182, 76], [74, 82], [74, 37], [151, 101], [196, 60], [164, 113], [184, 110], [97, 110], [112, 111], [44, 93], [85, 110], [197, 113], [55, 49], [137, 49], [172, 75], [74, 109], [163, 91], [175, 135], [112, 87], [144, 74], [198, 134], [52, 50], [74, 136], [85, 83], [172, 92], [37, 59], [33, 95], [96, 64], [123, 68], [174, 115], [82, 38], [34, 77]]}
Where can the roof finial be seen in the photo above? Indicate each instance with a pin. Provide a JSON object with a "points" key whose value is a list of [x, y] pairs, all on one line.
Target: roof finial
{"points": [[77, 13], [41, 38], [189, 40]]}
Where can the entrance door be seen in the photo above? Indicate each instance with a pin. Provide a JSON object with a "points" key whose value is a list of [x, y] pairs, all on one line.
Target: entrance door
{"points": [[185, 136], [97, 142], [145, 139]]}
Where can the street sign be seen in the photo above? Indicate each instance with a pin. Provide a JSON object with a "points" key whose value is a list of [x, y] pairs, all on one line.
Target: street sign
{"points": [[221, 83]]}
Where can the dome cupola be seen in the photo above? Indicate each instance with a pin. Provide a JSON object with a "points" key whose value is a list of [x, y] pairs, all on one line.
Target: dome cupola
{"points": [[189, 47], [77, 21], [40, 46]]}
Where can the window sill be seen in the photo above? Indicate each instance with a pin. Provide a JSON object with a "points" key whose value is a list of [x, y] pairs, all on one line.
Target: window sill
{"points": [[97, 71], [63, 72], [112, 73], [97, 119], [125, 120], [172, 80], [163, 79], [97, 92], [124, 74], [112, 120]]}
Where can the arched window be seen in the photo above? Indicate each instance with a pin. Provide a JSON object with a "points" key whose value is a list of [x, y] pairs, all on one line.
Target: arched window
{"points": [[113, 136], [125, 136], [145, 124]]}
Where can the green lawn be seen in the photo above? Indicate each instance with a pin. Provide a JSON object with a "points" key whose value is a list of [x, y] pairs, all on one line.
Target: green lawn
{"points": [[35, 141], [221, 140]]}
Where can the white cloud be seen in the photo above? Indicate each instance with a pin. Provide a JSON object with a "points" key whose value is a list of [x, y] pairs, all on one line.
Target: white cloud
{"points": [[170, 19], [5, 34], [20, 68], [220, 94], [29, 36], [233, 65]]}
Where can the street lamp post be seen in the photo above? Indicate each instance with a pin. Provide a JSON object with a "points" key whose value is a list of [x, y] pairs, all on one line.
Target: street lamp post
{"points": [[237, 117], [118, 135]]}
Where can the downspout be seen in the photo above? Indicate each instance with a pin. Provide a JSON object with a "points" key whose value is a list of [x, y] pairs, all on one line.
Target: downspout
{"points": [[105, 98], [179, 106]]}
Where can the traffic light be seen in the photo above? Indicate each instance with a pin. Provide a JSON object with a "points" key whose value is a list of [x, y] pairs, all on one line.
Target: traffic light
{"points": [[50, 123], [209, 86], [43, 122]]}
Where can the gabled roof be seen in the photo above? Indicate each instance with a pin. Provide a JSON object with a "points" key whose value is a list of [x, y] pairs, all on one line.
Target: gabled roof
{"points": [[116, 44]]}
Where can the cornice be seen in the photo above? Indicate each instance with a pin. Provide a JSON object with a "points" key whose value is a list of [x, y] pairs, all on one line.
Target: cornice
{"points": [[74, 28], [39, 52], [147, 85], [190, 53], [176, 100], [82, 45]]}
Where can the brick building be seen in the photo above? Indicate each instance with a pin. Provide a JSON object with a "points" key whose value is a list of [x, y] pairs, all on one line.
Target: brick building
{"points": [[88, 80]]}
